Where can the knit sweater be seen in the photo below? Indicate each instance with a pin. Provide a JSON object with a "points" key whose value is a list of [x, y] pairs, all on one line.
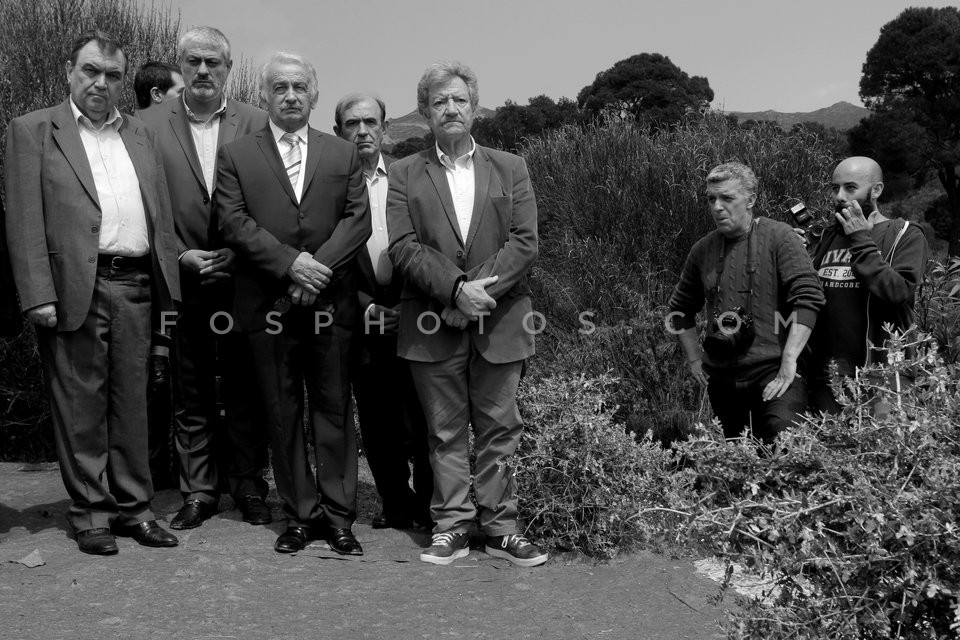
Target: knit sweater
{"points": [[785, 286]]}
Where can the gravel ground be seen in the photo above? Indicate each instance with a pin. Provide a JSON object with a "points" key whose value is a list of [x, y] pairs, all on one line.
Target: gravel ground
{"points": [[225, 581]]}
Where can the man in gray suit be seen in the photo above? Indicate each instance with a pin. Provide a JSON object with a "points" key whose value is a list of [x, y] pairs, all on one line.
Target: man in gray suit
{"points": [[92, 248], [189, 133]]}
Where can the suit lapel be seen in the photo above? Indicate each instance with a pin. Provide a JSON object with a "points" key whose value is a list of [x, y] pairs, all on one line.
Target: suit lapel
{"points": [[270, 153], [143, 164], [181, 128], [67, 136], [315, 145], [229, 124], [439, 177], [481, 173]]}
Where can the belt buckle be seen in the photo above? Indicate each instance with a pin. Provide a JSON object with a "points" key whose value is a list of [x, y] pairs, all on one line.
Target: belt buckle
{"points": [[116, 262]]}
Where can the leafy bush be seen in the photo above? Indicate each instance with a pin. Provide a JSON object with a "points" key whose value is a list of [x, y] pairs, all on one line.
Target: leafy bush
{"points": [[856, 518], [582, 479]]}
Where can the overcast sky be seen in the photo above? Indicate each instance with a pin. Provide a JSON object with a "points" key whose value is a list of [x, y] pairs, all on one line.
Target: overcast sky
{"points": [[796, 55]]}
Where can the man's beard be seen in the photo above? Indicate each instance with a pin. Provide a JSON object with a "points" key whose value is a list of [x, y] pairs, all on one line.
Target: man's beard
{"points": [[866, 205]]}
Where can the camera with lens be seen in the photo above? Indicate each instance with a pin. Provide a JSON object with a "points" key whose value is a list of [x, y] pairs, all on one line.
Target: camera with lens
{"points": [[731, 334], [805, 220]]}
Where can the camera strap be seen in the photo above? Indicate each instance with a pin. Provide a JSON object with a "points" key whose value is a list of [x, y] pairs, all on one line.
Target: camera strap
{"points": [[753, 263]]}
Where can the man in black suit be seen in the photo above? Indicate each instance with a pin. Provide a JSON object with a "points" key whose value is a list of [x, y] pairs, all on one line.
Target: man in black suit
{"points": [[392, 425], [292, 204], [189, 132]]}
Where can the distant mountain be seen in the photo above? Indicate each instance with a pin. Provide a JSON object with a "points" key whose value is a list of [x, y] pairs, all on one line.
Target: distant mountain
{"points": [[841, 116], [414, 125]]}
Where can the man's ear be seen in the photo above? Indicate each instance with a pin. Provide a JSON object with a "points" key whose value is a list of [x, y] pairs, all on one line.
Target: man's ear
{"points": [[68, 66], [383, 126], [875, 191], [155, 95], [336, 131]]}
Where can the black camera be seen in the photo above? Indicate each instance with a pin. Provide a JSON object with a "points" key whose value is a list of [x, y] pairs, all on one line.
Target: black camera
{"points": [[731, 334], [805, 220]]}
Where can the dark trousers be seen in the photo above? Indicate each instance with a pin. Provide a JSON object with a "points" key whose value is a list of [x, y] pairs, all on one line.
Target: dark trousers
{"points": [[216, 453], [96, 379], [738, 403], [393, 430], [459, 393], [285, 362]]}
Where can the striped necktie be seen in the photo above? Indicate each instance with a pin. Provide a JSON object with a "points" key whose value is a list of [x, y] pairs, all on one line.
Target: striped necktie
{"points": [[291, 159]]}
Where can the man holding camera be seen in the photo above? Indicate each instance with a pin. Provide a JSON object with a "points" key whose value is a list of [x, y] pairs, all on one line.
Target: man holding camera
{"points": [[762, 297], [870, 267]]}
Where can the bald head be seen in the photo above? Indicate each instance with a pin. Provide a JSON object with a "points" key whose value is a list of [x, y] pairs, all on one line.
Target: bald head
{"points": [[865, 168], [857, 178]]}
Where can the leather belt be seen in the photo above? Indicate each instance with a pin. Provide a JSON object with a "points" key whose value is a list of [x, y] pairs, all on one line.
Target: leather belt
{"points": [[124, 263]]}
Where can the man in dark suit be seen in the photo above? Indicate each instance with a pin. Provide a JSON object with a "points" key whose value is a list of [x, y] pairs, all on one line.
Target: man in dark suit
{"points": [[292, 204], [92, 247], [189, 132], [392, 425], [462, 221]]}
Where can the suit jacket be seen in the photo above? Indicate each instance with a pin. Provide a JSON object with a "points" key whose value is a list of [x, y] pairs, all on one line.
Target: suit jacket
{"points": [[193, 207], [427, 248], [262, 221], [53, 215]]}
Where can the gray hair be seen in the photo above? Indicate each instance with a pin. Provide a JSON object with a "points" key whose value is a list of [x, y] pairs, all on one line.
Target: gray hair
{"points": [[442, 72], [285, 57], [735, 171], [351, 99], [204, 35]]}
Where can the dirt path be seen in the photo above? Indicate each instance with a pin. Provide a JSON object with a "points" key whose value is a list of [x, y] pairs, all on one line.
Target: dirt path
{"points": [[225, 581]]}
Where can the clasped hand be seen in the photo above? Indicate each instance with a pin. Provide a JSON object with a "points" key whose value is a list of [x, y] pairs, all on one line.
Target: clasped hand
{"points": [[310, 275]]}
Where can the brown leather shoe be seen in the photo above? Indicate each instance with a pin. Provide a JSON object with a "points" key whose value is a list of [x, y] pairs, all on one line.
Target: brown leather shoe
{"points": [[98, 542], [149, 534], [192, 514]]}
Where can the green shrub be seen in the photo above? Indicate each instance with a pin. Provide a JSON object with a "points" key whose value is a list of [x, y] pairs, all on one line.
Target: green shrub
{"points": [[857, 519], [582, 479]]}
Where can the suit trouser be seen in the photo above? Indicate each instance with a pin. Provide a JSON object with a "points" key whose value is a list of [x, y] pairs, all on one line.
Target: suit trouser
{"points": [[393, 430], [97, 381], [458, 392], [210, 449], [284, 362]]}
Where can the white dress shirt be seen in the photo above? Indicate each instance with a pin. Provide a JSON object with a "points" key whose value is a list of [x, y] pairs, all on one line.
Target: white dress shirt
{"points": [[123, 220], [378, 242], [283, 147], [460, 177], [205, 134]]}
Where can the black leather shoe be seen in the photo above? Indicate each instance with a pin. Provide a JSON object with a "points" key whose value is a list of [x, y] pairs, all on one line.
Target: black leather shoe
{"points": [[150, 534], [383, 522], [254, 510], [343, 542], [407, 524], [292, 540], [98, 542], [192, 514]]}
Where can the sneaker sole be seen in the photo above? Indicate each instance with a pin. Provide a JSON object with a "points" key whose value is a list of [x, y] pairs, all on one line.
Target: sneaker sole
{"points": [[459, 553], [520, 562]]}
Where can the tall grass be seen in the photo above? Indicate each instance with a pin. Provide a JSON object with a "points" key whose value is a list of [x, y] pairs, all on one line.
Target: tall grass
{"points": [[620, 206]]}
